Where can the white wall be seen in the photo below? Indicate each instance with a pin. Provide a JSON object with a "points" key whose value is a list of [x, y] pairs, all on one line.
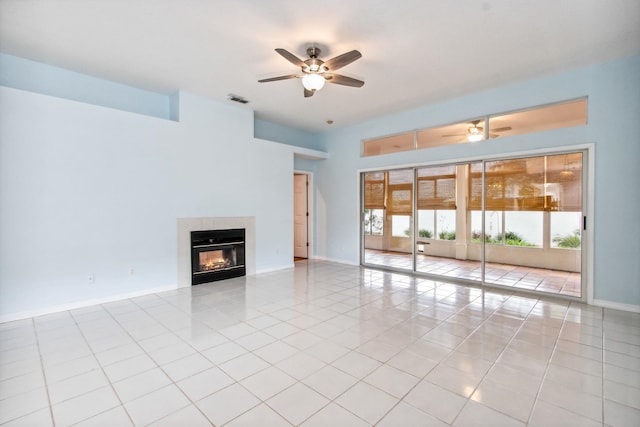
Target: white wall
{"points": [[88, 190]]}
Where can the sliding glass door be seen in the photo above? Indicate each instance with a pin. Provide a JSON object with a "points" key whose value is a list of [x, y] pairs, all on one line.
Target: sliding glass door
{"points": [[443, 236], [508, 222], [532, 226], [388, 219]]}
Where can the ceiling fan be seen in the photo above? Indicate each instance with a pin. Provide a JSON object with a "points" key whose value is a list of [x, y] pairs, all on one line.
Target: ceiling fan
{"points": [[315, 72], [476, 133]]}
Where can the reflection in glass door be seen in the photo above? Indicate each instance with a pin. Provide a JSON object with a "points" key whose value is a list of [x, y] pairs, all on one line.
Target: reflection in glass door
{"points": [[442, 240], [532, 226], [512, 223], [388, 219]]}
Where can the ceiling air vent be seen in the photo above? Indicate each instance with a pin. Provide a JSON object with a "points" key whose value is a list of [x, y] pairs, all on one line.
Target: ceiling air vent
{"points": [[236, 98]]}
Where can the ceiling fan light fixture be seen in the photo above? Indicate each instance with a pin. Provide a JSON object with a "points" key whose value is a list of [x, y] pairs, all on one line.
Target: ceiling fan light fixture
{"points": [[316, 72], [475, 134], [313, 81]]}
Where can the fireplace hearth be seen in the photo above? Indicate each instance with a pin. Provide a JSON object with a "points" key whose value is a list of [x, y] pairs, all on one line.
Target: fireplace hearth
{"points": [[217, 255]]}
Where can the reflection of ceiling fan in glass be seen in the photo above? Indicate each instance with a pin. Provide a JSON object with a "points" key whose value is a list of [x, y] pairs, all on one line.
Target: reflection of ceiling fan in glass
{"points": [[476, 133], [566, 173], [315, 72]]}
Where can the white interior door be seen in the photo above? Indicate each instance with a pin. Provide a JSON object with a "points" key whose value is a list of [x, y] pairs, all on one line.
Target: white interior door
{"points": [[300, 216]]}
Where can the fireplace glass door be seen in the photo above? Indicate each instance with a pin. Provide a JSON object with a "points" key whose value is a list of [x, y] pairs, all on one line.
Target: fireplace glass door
{"points": [[217, 255], [220, 259]]}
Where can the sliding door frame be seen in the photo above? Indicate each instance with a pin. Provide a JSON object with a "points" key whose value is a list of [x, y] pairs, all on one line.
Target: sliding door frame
{"points": [[587, 250]]}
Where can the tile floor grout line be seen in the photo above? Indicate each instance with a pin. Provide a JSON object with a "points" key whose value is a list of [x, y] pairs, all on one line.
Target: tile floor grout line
{"points": [[111, 386], [235, 382], [102, 367], [44, 375], [359, 380], [68, 312], [498, 357], [385, 314], [602, 372], [439, 363], [172, 382], [548, 363]]}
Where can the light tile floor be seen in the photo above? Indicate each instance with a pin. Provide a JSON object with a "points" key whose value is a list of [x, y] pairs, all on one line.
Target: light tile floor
{"points": [[323, 344], [527, 278]]}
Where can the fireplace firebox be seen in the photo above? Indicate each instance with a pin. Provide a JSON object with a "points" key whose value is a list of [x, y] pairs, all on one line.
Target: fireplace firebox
{"points": [[217, 255]]}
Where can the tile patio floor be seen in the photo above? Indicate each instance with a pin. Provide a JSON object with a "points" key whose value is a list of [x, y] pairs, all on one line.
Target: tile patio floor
{"points": [[529, 278]]}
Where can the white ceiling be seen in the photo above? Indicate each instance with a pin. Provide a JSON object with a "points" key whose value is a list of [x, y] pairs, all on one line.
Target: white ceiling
{"points": [[414, 51]]}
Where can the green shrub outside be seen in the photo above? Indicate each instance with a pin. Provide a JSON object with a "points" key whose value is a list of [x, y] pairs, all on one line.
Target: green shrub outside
{"points": [[511, 238], [421, 233], [447, 235], [568, 241]]}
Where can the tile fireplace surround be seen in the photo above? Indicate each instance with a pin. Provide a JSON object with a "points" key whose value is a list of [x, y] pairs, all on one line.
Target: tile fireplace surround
{"points": [[187, 225]]}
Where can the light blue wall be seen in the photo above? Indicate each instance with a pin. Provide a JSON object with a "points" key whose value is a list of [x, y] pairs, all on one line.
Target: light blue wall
{"points": [[614, 114], [20, 73], [93, 190], [305, 165], [287, 135], [614, 108]]}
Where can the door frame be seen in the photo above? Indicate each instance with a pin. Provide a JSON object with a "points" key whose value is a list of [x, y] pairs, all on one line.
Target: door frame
{"points": [[588, 194], [310, 210]]}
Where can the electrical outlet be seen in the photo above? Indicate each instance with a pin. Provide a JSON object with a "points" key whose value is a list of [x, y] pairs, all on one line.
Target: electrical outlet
{"points": [[132, 272], [91, 278]]}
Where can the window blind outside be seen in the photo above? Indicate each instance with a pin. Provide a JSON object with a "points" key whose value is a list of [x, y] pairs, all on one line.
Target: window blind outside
{"points": [[510, 185], [437, 188], [400, 192], [374, 190], [564, 178], [531, 184], [539, 119]]}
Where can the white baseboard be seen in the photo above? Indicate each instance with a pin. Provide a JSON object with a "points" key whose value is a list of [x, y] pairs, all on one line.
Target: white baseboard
{"points": [[339, 261], [80, 304], [617, 305], [11, 317], [96, 301], [272, 269]]}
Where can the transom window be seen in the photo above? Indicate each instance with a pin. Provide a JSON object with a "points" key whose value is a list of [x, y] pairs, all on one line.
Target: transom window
{"points": [[562, 115]]}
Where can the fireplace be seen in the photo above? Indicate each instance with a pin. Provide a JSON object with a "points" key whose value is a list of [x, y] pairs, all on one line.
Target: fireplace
{"points": [[217, 255]]}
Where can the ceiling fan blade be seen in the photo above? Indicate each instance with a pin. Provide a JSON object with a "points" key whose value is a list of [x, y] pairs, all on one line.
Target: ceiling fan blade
{"points": [[275, 79], [343, 80], [503, 129], [342, 60], [308, 93], [291, 57]]}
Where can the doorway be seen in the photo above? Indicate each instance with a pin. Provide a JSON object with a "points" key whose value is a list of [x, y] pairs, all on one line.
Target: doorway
{"points": [[301, 216], [511, 222]]}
